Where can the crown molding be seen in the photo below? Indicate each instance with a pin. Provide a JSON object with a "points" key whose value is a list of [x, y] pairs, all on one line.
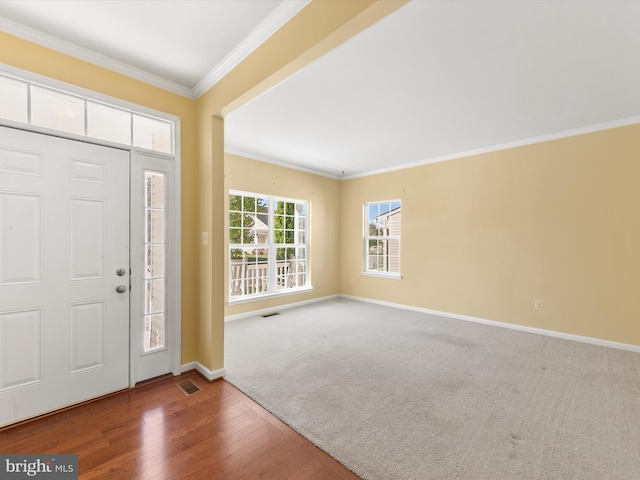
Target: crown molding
{"points": [[623, 122], [54, 43], [270, 25], [281, 15], [280, 163]]}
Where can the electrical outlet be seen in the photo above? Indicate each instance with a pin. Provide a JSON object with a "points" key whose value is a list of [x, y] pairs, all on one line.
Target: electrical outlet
{"points": [[537, 304], [205, 238]]}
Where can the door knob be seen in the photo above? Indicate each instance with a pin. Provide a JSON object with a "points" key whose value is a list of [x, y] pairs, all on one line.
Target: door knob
{"points": [[121, 289], [121, 272]]}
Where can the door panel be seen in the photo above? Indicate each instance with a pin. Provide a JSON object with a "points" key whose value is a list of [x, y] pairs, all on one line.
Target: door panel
{"points": [[64, 231], [87, 325], [21, 348], [20, 238], [87, 237]]}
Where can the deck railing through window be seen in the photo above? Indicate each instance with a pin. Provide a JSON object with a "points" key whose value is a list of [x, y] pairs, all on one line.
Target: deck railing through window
{"points": [[251, 278]]}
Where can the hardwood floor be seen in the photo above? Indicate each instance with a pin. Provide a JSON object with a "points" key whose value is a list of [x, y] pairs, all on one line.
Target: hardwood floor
{"points": [[156, 432]]}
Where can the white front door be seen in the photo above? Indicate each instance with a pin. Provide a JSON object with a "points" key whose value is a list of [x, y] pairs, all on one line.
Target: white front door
{"points": [[64, 251]]}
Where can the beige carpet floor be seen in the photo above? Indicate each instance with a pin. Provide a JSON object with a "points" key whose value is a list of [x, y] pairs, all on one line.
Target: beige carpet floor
{"points": [[396, 394]]}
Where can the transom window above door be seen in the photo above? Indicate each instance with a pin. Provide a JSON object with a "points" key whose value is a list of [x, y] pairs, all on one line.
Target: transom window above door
{"points": [[268, 245], [32, 104]]}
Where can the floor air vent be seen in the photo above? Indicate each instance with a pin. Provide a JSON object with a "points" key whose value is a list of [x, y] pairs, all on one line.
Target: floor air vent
{"points": [[188, 387], [270, 314]]}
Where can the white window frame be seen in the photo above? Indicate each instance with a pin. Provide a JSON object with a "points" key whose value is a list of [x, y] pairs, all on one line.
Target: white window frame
{"points": [[367, 237], [86, 97], [271, 246]]}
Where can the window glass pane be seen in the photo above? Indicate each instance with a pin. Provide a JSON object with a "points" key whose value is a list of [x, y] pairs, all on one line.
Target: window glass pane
{"points": [[154, 261], [108, 123], [154, 329], [154, 189], [262, 205], [247, 236], [248, 220], [154, 296], [288, 223], [392, 256], [279, 223], [290, 268], [249, 204], [260, 230], [235, 236], [249, 271], [372, 211], [13, 99], [152, 134], [235, 203], [57, 110], [235, 219], [154, 233]]}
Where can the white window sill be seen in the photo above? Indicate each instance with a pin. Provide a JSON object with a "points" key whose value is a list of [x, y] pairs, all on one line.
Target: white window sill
{"points": [[393, 276], [264, 296]]}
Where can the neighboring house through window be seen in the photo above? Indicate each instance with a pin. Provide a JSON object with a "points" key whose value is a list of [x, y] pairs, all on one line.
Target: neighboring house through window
{"points": [[383, 225], [268, 245]]}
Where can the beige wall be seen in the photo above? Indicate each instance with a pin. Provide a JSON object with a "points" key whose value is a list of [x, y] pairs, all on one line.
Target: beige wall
{"points": [[323, 194], [487, 235]]}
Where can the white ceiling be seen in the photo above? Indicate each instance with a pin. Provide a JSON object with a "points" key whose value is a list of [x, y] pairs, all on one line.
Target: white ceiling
{"points": [[434, 80], [182, 45]]}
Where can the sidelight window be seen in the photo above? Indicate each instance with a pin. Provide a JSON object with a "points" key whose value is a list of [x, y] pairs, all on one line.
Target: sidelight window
{"points": [[155, 260]]}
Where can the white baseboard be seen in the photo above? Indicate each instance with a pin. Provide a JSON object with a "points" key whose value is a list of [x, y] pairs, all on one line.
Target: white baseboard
{"points": [[210, 374], [204, 371], [185, 367], [512, 326], [255, 313]]}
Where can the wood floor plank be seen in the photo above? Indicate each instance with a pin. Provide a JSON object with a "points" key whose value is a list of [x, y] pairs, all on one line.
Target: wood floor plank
{"points": [[156, 432]]}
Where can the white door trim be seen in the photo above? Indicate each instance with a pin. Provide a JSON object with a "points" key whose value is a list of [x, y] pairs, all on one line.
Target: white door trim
{"points": [[175, 280]]}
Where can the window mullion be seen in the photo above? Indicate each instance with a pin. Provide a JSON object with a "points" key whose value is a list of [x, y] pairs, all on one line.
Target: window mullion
{"points": [[272, 249]]}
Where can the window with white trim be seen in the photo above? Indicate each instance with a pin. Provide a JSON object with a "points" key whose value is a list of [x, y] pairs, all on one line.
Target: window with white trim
{"points": [[382, 231], [155, 210], [41, 106], [268, 245]]}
